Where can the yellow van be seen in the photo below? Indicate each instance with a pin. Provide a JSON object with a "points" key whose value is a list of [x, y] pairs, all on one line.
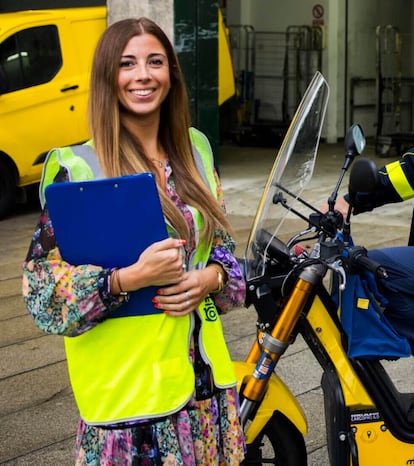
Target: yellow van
{"points": [[45, 60]]}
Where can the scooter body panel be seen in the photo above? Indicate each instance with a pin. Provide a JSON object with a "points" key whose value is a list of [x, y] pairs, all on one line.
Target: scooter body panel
{"points": [[377, 446], [277, 397], [328, 334]]}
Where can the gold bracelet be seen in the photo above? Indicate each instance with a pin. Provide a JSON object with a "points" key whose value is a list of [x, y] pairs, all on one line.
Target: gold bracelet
{"points": [[220, 278]]}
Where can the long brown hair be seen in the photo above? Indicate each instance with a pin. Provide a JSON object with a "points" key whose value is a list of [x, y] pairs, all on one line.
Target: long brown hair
{"points": [[119, 151]]}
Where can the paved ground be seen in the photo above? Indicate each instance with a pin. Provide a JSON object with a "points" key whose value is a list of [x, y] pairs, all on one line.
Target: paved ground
{"points": [[37, 412]]}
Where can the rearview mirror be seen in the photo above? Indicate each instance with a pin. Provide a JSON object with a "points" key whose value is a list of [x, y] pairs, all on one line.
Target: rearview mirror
{"points": [[354, 141]]}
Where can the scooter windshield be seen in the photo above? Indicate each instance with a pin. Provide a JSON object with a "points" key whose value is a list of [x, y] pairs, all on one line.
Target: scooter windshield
{"points": [[291, 172]]}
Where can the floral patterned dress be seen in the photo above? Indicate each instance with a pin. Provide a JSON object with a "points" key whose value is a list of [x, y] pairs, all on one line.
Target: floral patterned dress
{"points": [[68, 300]]}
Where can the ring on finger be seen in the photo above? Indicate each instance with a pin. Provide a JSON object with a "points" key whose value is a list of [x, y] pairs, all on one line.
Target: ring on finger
{"points": [[187, 295]]}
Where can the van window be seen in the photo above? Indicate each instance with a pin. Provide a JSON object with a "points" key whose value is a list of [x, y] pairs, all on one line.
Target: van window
{"points": [[30, 57]]}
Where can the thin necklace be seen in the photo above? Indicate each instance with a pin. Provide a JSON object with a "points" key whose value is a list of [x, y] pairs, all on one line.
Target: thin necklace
{"points": [[160, 163]]}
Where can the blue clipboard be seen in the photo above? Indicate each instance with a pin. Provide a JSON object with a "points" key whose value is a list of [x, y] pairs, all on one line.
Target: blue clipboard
{"points": [[108, 222]]}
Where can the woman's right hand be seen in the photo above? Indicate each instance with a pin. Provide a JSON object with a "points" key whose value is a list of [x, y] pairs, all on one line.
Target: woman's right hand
{"points": [[160, 264]]}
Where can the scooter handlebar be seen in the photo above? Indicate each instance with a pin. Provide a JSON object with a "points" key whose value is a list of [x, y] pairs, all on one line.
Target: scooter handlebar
{"points": [[361, 259]]}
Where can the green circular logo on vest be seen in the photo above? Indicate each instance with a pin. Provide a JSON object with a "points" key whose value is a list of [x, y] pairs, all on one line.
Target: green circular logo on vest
{"points": [[210, 310]]}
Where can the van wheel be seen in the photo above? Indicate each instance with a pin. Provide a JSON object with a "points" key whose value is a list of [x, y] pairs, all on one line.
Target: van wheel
{"points": [[279, 443], [7, 189]]}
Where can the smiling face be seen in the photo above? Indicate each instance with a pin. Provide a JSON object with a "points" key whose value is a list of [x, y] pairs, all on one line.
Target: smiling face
{"points": [[144, 76]]}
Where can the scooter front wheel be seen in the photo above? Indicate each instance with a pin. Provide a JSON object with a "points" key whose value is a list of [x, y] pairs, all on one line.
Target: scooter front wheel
{"points": [[279, 443]]}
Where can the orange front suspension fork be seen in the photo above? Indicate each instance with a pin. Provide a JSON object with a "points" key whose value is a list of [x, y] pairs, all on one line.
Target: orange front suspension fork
{"points": [[272, 345]]}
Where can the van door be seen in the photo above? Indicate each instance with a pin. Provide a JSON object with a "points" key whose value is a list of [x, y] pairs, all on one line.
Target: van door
{"points": [[42, 103]]}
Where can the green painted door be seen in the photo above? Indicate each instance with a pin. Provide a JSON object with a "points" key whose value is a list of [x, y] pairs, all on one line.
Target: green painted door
{"points": [[196, 42]]}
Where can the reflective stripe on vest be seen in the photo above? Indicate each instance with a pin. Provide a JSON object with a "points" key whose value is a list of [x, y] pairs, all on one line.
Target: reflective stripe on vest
{"points": [[203, 156], [114, 366], [399, 180], [80, 161]]}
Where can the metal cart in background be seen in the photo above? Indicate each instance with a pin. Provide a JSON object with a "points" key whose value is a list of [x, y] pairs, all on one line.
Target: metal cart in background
{"points": [[236, 112], [303, 57], [242, 46], [394, 88], [272, 72]]}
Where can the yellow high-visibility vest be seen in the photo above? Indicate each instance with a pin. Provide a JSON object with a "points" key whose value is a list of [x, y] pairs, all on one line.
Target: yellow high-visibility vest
{"points": [[132, 368]]}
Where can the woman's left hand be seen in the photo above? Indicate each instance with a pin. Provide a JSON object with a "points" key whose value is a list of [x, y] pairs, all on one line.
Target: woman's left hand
{"points": [[184, 297]]}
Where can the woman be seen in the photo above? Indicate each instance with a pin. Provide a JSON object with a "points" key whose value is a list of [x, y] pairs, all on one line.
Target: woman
{"points": [[162, 389]]}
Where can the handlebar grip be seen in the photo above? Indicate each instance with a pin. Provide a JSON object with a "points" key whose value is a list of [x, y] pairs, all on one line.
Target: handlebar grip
{"points": [[371, 266]]}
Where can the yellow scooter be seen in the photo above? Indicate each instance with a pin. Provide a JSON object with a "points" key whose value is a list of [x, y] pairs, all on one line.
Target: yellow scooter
{"points": [[314, 283]]}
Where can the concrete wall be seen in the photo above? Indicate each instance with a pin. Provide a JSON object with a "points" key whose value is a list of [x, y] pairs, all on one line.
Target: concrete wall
{"points": [[160, 11]]}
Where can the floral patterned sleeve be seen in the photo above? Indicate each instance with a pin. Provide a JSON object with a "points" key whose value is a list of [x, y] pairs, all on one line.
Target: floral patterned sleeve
{"points": [[63, 299], [222, 252]]}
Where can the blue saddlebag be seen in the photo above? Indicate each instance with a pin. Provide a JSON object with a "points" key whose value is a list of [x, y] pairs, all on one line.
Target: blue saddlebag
{"points": [[370, 334]]}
